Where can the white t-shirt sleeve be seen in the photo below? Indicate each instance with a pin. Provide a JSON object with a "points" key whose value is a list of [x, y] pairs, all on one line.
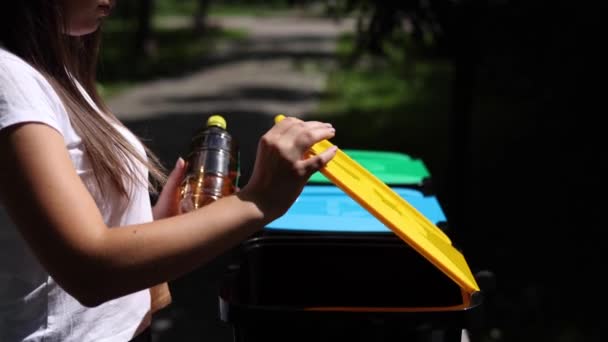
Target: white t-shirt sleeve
{"points": [[26, 96]]}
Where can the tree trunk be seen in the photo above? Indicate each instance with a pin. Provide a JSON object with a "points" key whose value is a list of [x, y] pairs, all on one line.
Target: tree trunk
{"points": [[144, 38], [200, 16]]}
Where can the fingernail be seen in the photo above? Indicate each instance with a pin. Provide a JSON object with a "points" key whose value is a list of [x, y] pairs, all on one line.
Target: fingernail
{"points": [[179, 162]]}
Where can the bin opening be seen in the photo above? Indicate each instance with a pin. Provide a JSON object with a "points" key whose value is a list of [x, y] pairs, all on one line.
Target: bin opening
{"points": [[340, 273], [396, 213]]}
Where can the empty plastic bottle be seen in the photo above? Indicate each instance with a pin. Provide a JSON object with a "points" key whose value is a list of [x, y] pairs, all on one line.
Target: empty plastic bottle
{"points": [[212, 166]]}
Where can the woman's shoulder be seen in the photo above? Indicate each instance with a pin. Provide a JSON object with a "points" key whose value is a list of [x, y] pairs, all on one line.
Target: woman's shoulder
{"points": [[26, 95], [16, 72], [12, 65]]}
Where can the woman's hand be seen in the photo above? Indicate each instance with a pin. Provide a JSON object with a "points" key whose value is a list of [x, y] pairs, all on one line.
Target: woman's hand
{"points": [[167, 204], [282, 166]]}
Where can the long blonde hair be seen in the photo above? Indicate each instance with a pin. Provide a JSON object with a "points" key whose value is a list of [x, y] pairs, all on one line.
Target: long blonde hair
{"points": [[34, 30]]}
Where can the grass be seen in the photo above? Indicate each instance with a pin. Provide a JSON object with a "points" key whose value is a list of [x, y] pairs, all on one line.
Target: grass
{"points": [[175, 7], [398, 103], [224, 9], [220, 8], [179, 51]]}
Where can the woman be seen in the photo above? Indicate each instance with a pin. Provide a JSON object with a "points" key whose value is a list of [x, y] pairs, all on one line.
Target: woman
{"points": [[70, 170]]}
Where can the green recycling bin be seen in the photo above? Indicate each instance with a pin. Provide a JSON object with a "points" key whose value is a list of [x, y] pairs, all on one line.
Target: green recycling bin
{"points": [[392, 168]]}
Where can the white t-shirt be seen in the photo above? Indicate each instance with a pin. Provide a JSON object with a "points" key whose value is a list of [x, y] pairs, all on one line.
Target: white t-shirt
{"points": [[32, 306]]}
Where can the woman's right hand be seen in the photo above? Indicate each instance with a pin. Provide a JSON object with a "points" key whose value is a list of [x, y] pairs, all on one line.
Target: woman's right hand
{"points": [[283, 166]]}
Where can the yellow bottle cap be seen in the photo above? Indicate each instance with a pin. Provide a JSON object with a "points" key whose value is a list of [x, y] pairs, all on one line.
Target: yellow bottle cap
{"points": [[216, 120], [278, 118]]}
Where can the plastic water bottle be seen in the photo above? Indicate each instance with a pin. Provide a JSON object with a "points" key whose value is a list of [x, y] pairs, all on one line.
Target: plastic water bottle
{"points": [[212, 166]]}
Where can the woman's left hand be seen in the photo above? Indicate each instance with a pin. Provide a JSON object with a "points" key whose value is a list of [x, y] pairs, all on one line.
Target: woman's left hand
{"points": [[167, 204]]}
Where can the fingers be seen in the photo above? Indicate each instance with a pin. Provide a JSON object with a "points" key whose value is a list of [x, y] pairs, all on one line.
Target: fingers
{"points": [[302, 135], [290, 127], [315, 163], [307, 134], [176, 175], [292, 137], [168, 198], [283, 126]]}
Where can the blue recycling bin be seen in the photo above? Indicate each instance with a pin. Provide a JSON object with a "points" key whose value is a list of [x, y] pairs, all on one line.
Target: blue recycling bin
{"points": [[327, 209]]}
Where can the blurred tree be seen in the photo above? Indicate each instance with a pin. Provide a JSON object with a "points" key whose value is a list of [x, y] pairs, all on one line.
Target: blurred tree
{"points": [[442, 28], [520, 102], [380, 22]]}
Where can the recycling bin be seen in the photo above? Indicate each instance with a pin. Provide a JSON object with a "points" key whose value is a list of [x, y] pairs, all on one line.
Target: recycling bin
{"points": [[392, 168], [338, 288], [325, 209], [330, 271]]}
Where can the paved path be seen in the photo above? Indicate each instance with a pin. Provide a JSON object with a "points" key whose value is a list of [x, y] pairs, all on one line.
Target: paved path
{"points": [[280, 68]]}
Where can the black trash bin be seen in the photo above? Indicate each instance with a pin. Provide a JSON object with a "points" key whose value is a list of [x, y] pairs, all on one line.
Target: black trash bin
{"points": [[413, 285], [341, 288], [330, 271]]}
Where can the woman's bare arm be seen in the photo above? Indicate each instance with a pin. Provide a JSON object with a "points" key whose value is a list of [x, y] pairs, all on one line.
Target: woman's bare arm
{"points": [[60, 221]]}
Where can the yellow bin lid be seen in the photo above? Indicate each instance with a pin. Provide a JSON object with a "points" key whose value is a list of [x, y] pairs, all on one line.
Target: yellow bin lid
{"points": [[397, 214]]}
